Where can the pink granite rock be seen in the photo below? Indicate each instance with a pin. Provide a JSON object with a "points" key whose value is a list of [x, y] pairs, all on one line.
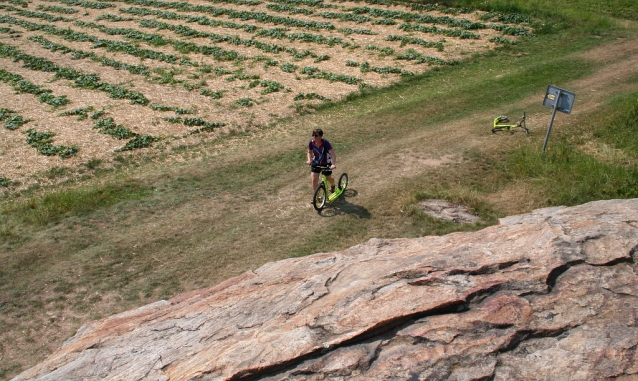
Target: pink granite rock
{"points": [[548, 295]]}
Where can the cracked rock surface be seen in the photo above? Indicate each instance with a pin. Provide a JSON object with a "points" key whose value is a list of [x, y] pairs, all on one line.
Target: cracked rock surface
{"points": [[548, 295]]}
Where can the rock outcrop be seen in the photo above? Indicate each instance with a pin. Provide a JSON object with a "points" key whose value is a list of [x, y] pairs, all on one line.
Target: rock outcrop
{"points": [[548, 295]]}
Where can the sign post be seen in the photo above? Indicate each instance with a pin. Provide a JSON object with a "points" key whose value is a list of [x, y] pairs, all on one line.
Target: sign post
{"points": [[559, 100]]}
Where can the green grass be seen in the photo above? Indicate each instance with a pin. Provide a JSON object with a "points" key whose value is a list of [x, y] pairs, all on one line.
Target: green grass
{"points": [[619, 126], [582, 178], [75, 201]]}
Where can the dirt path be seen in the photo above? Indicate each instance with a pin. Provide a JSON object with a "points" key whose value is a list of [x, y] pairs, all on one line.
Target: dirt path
{"points": [[417, 153]]}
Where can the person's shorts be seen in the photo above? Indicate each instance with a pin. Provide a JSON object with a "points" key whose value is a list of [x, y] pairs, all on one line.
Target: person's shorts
{"points": [[325, 169]]}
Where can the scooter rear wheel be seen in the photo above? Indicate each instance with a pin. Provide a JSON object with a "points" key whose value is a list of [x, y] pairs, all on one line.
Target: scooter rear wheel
{"points": [[343, 182]]}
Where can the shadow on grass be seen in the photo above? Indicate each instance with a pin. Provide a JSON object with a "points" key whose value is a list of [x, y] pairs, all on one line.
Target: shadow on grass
{"points": [[341, 206]]}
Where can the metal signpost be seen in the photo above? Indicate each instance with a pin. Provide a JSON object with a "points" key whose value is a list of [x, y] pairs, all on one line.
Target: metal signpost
{"points": [[559, 100]]}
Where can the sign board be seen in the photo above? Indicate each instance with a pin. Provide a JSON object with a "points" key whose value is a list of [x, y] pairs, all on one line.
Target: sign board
{"points": [[565, 99], [558, 100]]}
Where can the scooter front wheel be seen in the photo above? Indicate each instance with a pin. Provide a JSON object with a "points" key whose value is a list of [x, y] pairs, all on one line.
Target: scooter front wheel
{"points": [[319, 198]]}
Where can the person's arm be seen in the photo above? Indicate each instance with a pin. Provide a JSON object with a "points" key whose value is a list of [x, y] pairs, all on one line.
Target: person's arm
{"points": [[333, 158], [309, 157]]}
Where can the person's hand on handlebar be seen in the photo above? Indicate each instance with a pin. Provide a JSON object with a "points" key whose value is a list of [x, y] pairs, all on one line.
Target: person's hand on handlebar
{"points": [[333, 166]]}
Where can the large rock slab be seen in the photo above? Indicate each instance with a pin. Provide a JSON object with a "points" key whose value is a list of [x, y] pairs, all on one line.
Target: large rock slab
{"points": [[548, 295]]}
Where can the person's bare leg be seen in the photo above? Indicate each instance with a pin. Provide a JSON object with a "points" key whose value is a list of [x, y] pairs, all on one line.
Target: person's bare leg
{"points": [[331, 180], [314, 177]]}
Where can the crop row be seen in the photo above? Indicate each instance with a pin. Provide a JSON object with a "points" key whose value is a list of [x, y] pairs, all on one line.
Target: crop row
{"points": [[111, 46], [357, 18], [231, 13], [134, 69], [186, 47], [218, 53], [365, 68], [177, 110], [384, 22], [462, 34], [137, 142], [131, 33], [12, 120], [309, 96], [512, 30], [113, 18], [389, 3], [417, 6], [288, 9], [238, 2], [418, 18], [88, 4], [201, 20], [263, 17], [203, 125], [412, 55], [349, 31], [21, 3], [309, 3], [248, 77], [92, 82], [109, 127], [452, 22], [101, 5], [37, 15], [510, 18], [43, 142], [279, 33], [313, 72], [429, 7], [83, 113], [304, 37], [87, 81], [11, 32], [56, 9], [385, 50], [183, 30], [415, 41], [21, 85], [80, 54]]}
